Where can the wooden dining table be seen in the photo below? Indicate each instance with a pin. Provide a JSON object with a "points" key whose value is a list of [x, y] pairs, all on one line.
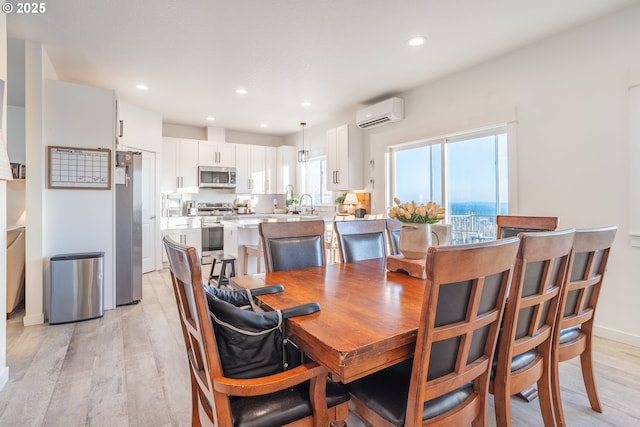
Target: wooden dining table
{"points": [[368, 318]]}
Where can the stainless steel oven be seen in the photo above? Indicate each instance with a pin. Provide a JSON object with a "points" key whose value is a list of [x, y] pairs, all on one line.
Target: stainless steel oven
{"points": [[212, 238], [211, 228]]}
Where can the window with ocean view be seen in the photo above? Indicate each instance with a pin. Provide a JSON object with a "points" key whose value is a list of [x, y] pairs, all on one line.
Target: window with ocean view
{"points": [[467, 174]]}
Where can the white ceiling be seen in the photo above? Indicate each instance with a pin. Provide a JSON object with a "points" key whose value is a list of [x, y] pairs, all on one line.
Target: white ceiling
{"points": [[337, 54]]}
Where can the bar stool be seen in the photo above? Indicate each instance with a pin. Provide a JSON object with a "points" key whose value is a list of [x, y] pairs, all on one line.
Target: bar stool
{"points": [[253, 250], [227, 270]]}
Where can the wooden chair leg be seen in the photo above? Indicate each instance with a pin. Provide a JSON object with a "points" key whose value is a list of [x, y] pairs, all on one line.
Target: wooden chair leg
{"points": [[528, 394], [502, 404], [586, 363], [556, 394], [545, 398]]}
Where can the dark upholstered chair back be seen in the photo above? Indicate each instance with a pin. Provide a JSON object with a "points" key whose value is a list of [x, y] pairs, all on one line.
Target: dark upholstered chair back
{"points": [[574, 329], [359, 240], [292, 245], [462, 296], [211, 390], [524, 352], [448, 378], [511, 225]]}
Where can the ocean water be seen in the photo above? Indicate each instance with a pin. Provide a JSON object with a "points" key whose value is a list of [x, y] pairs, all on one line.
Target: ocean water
{"points": [[478, 208]]}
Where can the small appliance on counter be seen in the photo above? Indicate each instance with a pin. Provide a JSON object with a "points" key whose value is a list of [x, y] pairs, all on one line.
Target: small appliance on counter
{"points": [[191, 209]]}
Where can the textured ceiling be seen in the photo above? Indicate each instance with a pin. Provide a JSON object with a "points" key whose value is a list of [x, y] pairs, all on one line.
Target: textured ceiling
{"points": [[337, 54]]}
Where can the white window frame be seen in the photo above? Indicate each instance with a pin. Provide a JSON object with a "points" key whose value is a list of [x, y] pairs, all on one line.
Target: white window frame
{"points": [[512, 179]]}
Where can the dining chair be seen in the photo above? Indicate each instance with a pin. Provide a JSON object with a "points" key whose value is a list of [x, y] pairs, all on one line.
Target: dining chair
{"points": [[393, 235], [331, 241], [511, 225], [217, 399], [292, 245], [361, 239], [526, 337], [574, 328], [447, 380]]}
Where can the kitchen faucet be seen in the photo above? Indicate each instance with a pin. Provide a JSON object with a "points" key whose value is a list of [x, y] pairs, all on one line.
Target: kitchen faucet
{"points": [[310, 200]]}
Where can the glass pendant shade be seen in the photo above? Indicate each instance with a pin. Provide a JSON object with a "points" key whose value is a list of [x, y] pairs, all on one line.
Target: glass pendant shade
{"points": [[303, 155]]}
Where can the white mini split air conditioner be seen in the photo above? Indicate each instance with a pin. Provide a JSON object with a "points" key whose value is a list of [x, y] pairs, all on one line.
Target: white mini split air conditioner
{"points": [[387, 111]]}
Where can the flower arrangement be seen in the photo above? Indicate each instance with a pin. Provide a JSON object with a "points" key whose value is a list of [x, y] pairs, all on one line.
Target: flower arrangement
{"points": [[417, 214]]}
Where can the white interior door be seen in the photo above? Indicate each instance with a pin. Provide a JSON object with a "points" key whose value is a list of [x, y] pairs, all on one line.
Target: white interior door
{"points": [[148, 211]]}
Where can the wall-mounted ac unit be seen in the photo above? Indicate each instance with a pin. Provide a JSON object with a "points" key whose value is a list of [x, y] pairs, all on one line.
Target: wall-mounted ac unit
{"points": [[387, 111]]}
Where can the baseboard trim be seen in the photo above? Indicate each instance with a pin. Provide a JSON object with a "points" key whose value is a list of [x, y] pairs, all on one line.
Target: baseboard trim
{"points": [[37, 319], [615, 335]]}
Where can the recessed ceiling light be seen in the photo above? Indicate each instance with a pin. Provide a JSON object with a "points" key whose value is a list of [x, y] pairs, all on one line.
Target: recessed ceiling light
{"points": [[263, 125], [142, 87], [416, 41], [241, 91], [210, 118], [305, 104]]}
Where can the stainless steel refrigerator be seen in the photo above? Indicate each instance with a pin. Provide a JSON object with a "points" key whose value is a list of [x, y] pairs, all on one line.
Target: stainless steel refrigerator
{"points": [[127, 179]]}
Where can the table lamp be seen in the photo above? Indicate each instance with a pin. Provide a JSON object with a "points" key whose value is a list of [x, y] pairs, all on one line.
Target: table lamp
{"points": [[350, 200]]}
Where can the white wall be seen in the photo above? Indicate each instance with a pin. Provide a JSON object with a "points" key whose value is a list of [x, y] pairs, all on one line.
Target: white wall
{"points": [[4, 369], [77, 220], [37, 66], [570, 98], [15, 134]]}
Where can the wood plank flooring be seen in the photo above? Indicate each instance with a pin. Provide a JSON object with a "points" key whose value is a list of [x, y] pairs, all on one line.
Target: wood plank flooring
{"points": [[128, 368]]}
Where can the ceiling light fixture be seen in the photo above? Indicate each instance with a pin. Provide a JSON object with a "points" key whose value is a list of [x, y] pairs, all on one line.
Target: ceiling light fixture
{"points": [[263, 125], [241, 91], [416, 41], [142, 87], [305, 104], [303, 155], [210, 118]]}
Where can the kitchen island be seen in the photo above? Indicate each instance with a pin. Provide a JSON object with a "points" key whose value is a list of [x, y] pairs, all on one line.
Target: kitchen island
{"points": [[241, 232]]}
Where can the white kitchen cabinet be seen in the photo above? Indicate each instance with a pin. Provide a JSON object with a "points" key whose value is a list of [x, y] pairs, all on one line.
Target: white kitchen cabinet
{"points": [[179, 165], [344, 158], [255, 169], [270, 167], [138, 128], [222, 154], [243, 165], [285, 168], [186, 236]]}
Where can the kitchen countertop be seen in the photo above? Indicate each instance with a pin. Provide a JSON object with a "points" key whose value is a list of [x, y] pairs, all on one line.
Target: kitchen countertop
{"points": [[253, 222]]}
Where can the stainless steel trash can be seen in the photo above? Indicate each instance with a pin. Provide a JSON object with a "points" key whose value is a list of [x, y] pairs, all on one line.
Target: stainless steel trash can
{"points": [[75, 291]]}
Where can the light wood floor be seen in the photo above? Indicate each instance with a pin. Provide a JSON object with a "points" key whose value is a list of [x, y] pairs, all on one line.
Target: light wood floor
{"points": [[128, 368]]}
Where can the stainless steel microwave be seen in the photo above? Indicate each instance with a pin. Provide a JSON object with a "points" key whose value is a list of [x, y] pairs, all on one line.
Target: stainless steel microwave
{"points": [[215, 177]]}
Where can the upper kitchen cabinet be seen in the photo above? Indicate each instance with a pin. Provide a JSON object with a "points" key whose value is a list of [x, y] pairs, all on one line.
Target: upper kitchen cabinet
{"points": [[270, 167], [138, 128], [255, 169], [179, 165], [285, 168], [221, 154], [344, 158]]}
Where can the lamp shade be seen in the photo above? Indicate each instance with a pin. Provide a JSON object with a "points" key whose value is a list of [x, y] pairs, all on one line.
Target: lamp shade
{"points": [[351, 199]]}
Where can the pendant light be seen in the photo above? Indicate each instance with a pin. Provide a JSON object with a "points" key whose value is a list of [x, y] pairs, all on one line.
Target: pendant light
{"points": [[303, 155]]}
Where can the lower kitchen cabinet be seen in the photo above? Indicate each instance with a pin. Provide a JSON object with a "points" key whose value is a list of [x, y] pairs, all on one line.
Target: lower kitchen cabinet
{"points": [[186, 236]]}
